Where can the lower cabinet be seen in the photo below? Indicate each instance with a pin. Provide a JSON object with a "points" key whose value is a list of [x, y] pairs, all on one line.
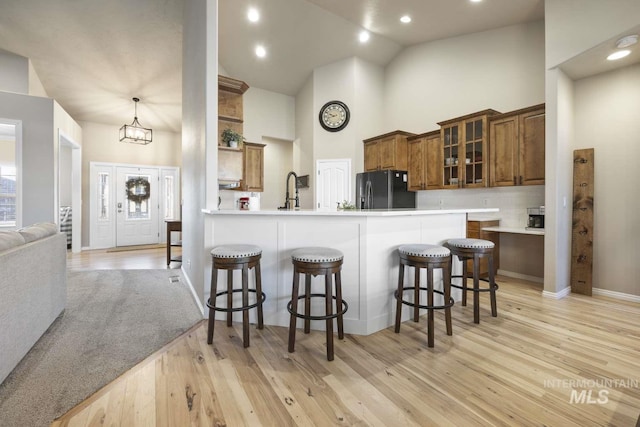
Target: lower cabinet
{"points": [[474, 231]]}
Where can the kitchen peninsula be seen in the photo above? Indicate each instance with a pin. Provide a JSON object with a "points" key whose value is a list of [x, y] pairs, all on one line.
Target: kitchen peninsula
{"points": [[369, 240]]}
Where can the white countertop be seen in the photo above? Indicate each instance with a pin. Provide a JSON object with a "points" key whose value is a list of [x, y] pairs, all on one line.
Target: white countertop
{"points": [[368, 213], [516, 230]]}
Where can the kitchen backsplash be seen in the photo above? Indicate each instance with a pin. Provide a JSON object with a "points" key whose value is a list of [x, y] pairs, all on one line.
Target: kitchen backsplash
{"points": [[512, 202]]}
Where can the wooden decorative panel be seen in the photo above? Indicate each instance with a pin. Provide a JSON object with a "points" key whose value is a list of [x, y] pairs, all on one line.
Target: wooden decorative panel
{"points": [[582, 227]]}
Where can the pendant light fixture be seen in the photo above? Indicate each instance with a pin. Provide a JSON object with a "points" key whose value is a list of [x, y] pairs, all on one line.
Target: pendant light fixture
{"points": [[135, 133]]}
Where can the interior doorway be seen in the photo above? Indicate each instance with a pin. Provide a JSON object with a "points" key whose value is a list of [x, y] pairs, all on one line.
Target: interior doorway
{"points": [[130, 203], [70, 190]]}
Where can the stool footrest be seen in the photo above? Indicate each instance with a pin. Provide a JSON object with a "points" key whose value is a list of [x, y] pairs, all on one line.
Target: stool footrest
{"points": [[495, 285], [325, 317], [410, 304], [233, 309]]}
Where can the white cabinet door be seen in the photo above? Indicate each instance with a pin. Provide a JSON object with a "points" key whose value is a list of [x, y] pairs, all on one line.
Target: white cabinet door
{"points": [[333, 183]]}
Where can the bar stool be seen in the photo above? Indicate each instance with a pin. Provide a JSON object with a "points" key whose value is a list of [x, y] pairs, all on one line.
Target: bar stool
{"points": [[235, 257], [314, 261], [474, 249], [429, 257]]}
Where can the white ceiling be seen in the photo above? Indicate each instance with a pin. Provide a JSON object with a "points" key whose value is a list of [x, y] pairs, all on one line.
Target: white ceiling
{"points": [[94, 56]]}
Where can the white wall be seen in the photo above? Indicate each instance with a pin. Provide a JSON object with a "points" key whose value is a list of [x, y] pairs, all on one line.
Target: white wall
{"points": [[278, 161], [431, 82], [303, 157], [268, 114], [35, 85], [606, 116], [199, 134], [14, 73], [574, 26], [38, 177]]}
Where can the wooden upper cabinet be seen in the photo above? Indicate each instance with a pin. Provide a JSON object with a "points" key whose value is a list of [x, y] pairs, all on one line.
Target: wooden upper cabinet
{"points": [[465, 150], [425, 161], [517, 147], [386, 152], [253, 172], [230, 106]]}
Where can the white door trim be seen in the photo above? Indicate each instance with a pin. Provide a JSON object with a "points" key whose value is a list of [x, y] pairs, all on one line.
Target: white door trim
{"points": [[110, 238]]}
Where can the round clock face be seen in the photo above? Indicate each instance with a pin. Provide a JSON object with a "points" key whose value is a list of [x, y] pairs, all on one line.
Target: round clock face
{"points": [[334, 116]]}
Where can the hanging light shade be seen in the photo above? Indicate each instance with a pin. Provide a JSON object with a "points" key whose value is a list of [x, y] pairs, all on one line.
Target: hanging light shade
{"points": [[135, 133]]}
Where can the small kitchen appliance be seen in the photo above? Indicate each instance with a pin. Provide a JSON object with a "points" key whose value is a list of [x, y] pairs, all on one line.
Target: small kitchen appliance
{"points": [[536, 218]]}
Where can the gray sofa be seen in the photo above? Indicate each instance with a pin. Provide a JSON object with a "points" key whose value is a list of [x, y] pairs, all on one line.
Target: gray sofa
{"points": [[33, 288]]}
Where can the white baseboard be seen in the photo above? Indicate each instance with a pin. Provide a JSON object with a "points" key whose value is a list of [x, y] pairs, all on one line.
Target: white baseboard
{"points": [[521, 276], [616, 295], [557, 295], [193, 292]]}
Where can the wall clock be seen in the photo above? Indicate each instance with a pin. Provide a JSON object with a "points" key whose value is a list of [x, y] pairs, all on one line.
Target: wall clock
{"points": [[334, 116]]}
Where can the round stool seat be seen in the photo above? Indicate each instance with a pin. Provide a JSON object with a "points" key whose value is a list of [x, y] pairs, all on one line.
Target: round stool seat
{"points": [[470, 243], [424, 251], [235, 251], [316, 254]]}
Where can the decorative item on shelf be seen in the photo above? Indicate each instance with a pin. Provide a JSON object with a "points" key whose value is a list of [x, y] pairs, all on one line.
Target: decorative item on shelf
{"points": [[138, 189], [135, 133], [232, 138], [346, 206]]}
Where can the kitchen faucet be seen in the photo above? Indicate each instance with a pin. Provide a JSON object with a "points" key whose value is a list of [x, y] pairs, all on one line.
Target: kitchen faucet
{"points": [[287, 198]]}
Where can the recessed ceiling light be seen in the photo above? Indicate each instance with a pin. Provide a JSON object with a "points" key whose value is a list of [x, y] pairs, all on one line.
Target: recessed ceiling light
{"points": [[475, 1], [619, 54], [364, 36], [405, 19], [261, 52], [627, 41], [253, 15]]}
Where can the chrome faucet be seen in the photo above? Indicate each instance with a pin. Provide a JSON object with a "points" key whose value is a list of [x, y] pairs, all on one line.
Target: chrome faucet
{"points": [[287, 197]]}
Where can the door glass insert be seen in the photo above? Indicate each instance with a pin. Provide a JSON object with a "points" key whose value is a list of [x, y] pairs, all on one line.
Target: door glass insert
{"points": [[138, 191], [103, 196], [168, 198]]}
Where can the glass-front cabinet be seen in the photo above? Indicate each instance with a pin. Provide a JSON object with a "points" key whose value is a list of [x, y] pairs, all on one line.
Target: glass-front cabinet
{"points": [[465, 150]]}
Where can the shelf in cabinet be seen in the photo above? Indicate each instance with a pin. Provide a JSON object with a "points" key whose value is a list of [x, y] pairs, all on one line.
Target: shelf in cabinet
{"points": [[230, 119], [225, 148]]}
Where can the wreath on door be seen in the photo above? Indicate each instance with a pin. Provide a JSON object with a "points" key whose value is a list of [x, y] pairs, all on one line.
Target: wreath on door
{"points": [[138, 189]]}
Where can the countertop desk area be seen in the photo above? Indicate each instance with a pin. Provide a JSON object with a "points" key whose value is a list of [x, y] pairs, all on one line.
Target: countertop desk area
{"points": [[368, 239]]}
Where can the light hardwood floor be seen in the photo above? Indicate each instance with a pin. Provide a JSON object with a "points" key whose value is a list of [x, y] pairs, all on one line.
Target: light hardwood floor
{"points": [[520, 368]]}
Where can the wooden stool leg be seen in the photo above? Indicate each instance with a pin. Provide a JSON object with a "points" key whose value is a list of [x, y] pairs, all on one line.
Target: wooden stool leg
{"points": [[294, 308], [259, 294], [492, 286], [416, 295], [229, 296], [476, 287], [446, 287], [329, 312], [399, 298], [430, 340], [339, 305], [245, 302], [212, 301], [307, 302], [464, 281]]}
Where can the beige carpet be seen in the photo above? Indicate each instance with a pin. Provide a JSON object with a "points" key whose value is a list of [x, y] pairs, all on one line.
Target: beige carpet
{"points": [[113, 320]]}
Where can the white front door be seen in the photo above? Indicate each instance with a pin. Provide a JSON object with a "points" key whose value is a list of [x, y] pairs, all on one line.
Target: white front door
{"points": [[333, 184], [138, 211]]}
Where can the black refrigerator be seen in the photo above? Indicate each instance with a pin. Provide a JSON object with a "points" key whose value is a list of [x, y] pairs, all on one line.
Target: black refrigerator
{"points": [[385, 189]]}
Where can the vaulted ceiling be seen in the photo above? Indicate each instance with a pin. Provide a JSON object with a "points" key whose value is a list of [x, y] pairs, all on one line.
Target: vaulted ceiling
{"points": [[94, 56]]}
